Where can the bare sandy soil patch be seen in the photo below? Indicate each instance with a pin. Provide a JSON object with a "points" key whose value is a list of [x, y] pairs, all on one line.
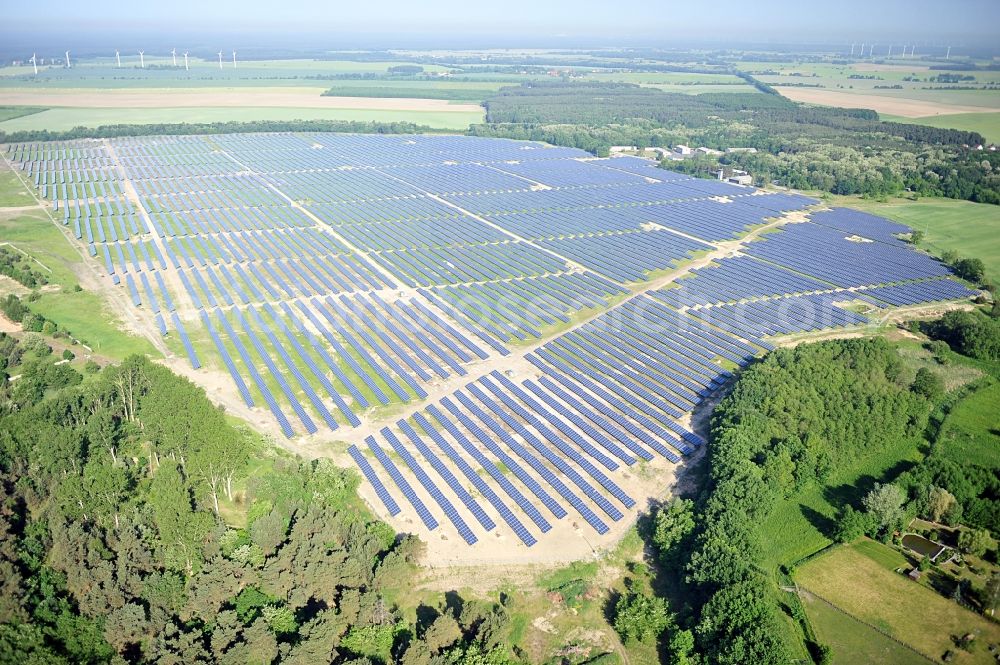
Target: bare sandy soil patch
{"points": [[232, 97], [892, 105]]}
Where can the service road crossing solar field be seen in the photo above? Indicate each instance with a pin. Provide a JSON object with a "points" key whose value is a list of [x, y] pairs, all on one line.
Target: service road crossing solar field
{"points": [[506, 339]]}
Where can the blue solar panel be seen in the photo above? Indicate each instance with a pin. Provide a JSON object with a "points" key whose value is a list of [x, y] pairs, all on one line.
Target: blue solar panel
{"points": [[405, 488], [373, 479], [449, 510]]}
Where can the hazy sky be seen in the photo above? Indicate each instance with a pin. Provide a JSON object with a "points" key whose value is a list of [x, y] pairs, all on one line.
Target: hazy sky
{"points": [[549, 20]]}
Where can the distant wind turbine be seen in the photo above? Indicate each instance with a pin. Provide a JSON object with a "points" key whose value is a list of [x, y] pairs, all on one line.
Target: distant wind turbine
{"points": [[852, 50], [890, 52], [871, 51], [948, 54], [118, 58], [220, 59], [68, 65], [142, 60], [34, 61], [173, 54], [234, 59], [185, 60]]}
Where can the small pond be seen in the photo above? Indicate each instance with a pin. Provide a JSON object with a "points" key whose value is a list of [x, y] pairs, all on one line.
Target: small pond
{"points": [[921, 545]]}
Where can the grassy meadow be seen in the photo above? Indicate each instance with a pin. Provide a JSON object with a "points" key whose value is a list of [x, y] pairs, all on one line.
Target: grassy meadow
{"points": [[852, 641], [860, 579]]}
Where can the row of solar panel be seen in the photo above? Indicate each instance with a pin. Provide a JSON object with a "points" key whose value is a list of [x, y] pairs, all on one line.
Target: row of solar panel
{"points": [[846, 261], [109, 229], [737, 278], [626, 257], [268, 245], [779, 316], [387, 344], [549, 441], [517, 308], [428, 266]]}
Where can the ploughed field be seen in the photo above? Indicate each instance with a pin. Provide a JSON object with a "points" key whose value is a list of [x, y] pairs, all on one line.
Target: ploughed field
{"points": [[507, 339]]}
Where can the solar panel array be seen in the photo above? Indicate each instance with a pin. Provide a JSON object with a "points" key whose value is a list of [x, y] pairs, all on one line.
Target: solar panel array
{"points": [[500, 287]]}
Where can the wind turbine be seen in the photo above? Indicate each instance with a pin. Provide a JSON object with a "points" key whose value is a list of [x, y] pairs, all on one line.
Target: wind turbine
{"points": [[68, 65], [234, 59], [173, 54], [852, 50], [220, 59], [948, 54], [185, 60], [118, 57], [871, 51], [34, 61], [890, 52], [862, 50], [142, 61]]}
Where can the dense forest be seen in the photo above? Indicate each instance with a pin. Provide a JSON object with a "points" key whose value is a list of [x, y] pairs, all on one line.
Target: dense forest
{"points": [[131, 533], [843, 151]]}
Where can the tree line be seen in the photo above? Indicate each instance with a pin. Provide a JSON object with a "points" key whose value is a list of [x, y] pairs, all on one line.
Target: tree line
{"points": [[19, 267], [231, 127], [843, 151]]}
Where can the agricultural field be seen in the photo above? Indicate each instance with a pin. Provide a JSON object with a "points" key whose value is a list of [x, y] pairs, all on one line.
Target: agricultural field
{"points": [[67, 118], [860, 579], [987, 124], [67, 107], [159, 71], [899, 88], [95, 93], [852, 641]]}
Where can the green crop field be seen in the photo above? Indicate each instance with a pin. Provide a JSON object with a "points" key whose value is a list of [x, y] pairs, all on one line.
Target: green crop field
{"points": [[853, 642], [850, 578], [67, 118], [160, 67], [11, 112], [987, 124], [971, 229]]}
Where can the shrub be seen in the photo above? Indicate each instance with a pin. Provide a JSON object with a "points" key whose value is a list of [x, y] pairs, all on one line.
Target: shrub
{"points": [[928, 384], [640, 617]]}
